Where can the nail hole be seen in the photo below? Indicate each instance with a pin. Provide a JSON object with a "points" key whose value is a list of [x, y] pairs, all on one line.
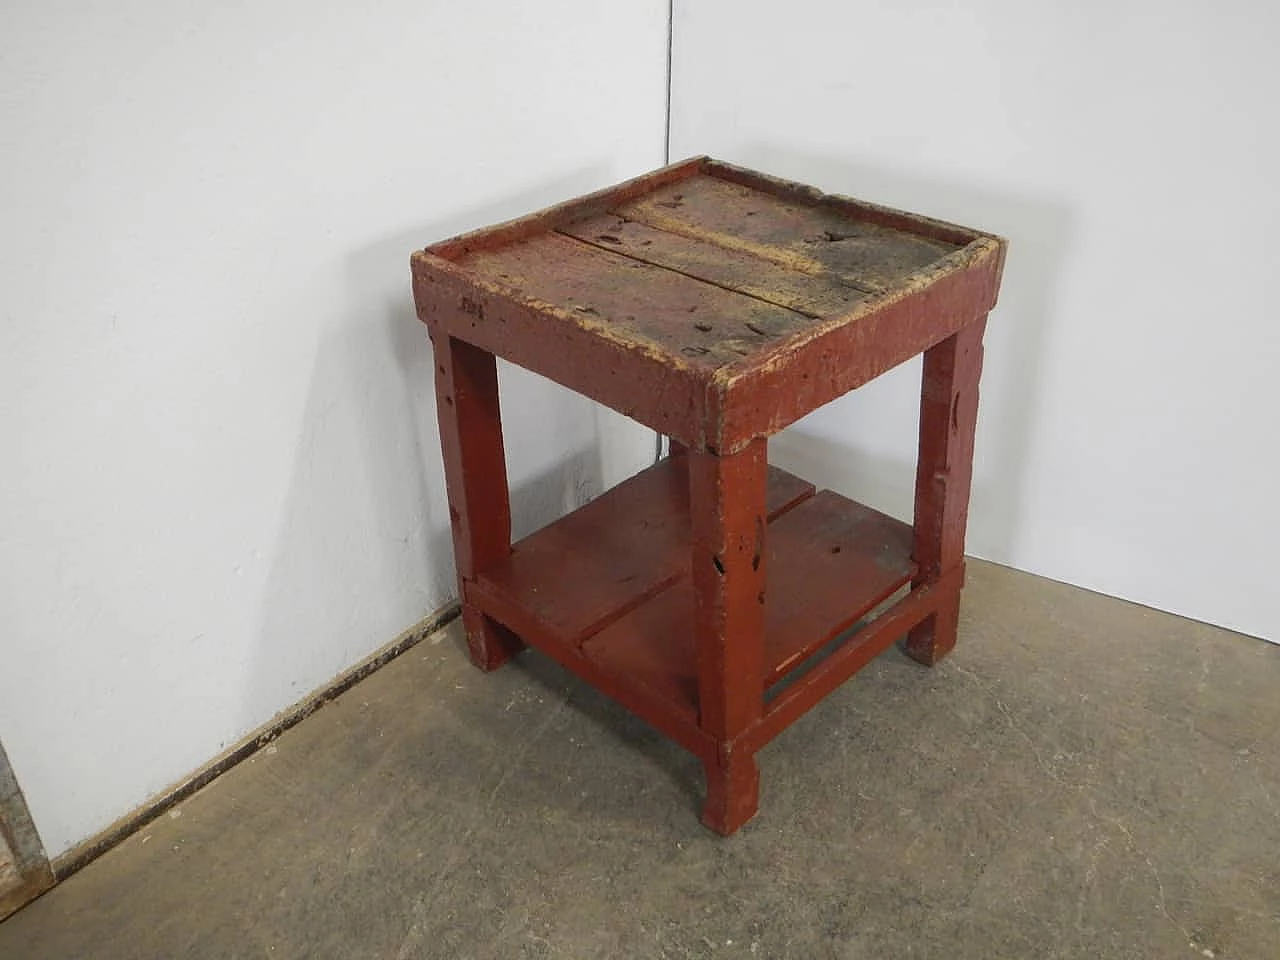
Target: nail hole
{"points": [[835, 549], [608, 238]]}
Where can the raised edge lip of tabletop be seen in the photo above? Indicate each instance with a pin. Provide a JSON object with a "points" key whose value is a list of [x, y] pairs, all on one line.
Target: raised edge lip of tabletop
{"points": [[976, 252], [546, 219], [974, 249]]}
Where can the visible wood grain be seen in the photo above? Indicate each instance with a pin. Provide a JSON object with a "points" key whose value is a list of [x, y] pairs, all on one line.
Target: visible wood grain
{"points": [[816, 241], [944, 474], [541, 221], [662, 310], [587, 569], [829, 561], [737, 270], [691, 359], [776, 387], [843, 206], [573, 348]]}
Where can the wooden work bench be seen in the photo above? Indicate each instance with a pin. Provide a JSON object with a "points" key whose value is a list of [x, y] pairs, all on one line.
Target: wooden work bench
{"points": [[715, 305]]}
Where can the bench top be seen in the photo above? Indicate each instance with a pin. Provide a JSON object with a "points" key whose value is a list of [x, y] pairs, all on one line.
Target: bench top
{"points": [[713, 278]]}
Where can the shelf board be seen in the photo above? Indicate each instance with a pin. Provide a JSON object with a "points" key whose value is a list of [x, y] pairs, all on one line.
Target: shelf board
{"points": [[829, 562], [582, 572]]}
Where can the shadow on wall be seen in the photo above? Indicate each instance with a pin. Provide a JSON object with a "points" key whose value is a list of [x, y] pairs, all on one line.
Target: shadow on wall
{"points": [[881, 470], [363, 548]]}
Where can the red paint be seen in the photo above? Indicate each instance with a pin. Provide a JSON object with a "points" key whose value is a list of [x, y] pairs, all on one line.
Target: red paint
{"points": [[716, 305]]}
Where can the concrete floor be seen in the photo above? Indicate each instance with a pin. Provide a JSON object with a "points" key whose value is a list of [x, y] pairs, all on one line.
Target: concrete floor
{"points": [[1082, 778]]}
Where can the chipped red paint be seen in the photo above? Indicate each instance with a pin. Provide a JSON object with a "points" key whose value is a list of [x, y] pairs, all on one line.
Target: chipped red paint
{"points": [[716, 305]]}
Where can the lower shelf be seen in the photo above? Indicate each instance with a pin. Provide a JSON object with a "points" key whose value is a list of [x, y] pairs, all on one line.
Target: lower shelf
{"points": [[828, 562], [609, 583]]}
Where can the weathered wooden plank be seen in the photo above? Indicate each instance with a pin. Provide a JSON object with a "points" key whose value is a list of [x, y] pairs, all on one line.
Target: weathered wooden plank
{"points": [[775, 387], [738, 270], [818, 241], [587, 569], [830, 560], [541, 221], [705, 325], [575, 349], [948, 233]]}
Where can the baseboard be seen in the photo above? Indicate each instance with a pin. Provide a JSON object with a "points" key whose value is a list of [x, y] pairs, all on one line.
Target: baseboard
{"points": [[86, 852]]}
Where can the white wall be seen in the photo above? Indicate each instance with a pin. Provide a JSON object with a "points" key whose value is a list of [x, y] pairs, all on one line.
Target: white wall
{"points": [[221, 481], [1129, 151]]}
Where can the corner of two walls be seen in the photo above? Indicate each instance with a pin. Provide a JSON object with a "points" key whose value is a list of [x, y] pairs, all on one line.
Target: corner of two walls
{"points": [[223, 484]]}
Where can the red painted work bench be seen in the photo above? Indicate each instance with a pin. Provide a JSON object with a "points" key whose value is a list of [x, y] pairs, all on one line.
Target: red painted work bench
{"points": [[717, 306]]}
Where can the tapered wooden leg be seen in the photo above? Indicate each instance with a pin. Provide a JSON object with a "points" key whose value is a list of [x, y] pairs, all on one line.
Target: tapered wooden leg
{"points": [[944, 473], [727, 512], [475, 472]]}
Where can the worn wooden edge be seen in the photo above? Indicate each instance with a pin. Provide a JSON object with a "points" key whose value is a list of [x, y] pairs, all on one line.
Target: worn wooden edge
{"points": [[469, 309], [19, 835], [696, 404], [927, 227], [983, 257], [579, 352], [81, 855], [33, 884], [550, 218], [759, 396], [863, 646]]}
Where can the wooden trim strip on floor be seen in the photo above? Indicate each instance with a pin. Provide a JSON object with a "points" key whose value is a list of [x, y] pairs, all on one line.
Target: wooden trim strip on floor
{"points": [[85, 853]]}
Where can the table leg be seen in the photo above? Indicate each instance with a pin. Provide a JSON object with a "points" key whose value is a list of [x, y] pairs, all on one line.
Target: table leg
{"points": [[948, 416], [475, 472], [727, 511]]}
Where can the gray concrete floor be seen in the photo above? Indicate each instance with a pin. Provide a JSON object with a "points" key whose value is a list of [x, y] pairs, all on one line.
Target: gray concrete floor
{"points": [[1082, 778]]}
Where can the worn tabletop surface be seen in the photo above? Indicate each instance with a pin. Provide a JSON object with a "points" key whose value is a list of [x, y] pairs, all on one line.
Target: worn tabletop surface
{"points": [[710, 302], [708, 270]]}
